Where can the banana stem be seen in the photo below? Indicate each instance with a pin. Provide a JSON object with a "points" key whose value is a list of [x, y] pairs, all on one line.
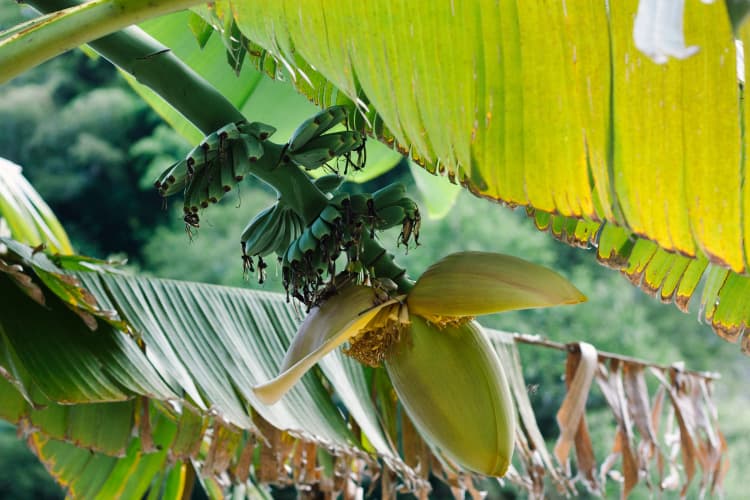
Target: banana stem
{"points": [[154, 65]]}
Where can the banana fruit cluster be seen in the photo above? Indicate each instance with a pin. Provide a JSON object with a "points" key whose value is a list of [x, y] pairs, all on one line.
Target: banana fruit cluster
{"points": [[310, 147], [339, 229], [270, 231], [210, 170]]}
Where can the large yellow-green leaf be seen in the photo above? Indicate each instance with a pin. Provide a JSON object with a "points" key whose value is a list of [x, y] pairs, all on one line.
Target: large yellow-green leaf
{"points": [[549, 105]]}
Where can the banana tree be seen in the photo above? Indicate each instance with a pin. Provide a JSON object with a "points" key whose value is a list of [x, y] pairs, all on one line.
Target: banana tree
{"points": [[489, 130]]}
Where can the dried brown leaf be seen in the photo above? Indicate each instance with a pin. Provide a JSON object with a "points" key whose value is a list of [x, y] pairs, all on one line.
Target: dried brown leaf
{"points": [[23, 281], [585, 360], [538, 460], [242, 469], [144, 427]]}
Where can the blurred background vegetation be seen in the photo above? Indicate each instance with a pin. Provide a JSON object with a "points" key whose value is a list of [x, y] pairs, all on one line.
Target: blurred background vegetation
{"points": [[93, 148]]}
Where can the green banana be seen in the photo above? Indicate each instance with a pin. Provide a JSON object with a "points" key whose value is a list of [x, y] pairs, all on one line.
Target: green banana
{"points": [[211, 142], [329, 183], [259, 130], [361, 203], [320, 229], [240, 163], [227, 172], [409, 206], [324, 148], [172, 179], [311, 160], [274, 233], [286, 234], [315, 126], [307, 242], [254, 235], [195, 157], [228, 132], [388, 195], [340, 200], [294, 255], [197, 191], [390, 216], [331, 215], [261, 240], [254, 148], [215, 188]]}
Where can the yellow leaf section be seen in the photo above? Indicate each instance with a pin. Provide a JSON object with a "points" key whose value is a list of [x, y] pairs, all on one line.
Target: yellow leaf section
{"points": [[525, 114], [306, 23], [648, 139], [370, 65], [555, 167], [591, 71], [433, 25], [744, 35], [408, 83], [732, 316], [499, 147], [711, 137], [689, 282]]}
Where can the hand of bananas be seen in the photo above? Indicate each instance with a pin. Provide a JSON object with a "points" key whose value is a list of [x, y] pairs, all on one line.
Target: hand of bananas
{"points": [[229, 154], [338, 229], [310, 147], [210, 170]]}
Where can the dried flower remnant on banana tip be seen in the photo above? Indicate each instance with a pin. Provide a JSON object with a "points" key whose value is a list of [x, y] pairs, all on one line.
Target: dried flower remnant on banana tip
{"points": [[431, 326]]}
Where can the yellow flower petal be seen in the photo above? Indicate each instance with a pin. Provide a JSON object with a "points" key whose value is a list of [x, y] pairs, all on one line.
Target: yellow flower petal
{"points": [[325, 328]]}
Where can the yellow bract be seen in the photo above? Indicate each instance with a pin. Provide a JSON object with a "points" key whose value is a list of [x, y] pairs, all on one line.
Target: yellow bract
{"points": [[324, 329]]}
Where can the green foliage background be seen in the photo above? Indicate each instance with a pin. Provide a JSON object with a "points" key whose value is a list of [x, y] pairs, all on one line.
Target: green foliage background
{"points": [[92, 148]]}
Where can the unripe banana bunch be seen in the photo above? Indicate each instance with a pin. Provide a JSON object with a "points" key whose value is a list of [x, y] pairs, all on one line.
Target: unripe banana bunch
{"points": [[214, 166], [338, 229], [441, 364], [312, 255], [270, 231], [310, 147]]}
